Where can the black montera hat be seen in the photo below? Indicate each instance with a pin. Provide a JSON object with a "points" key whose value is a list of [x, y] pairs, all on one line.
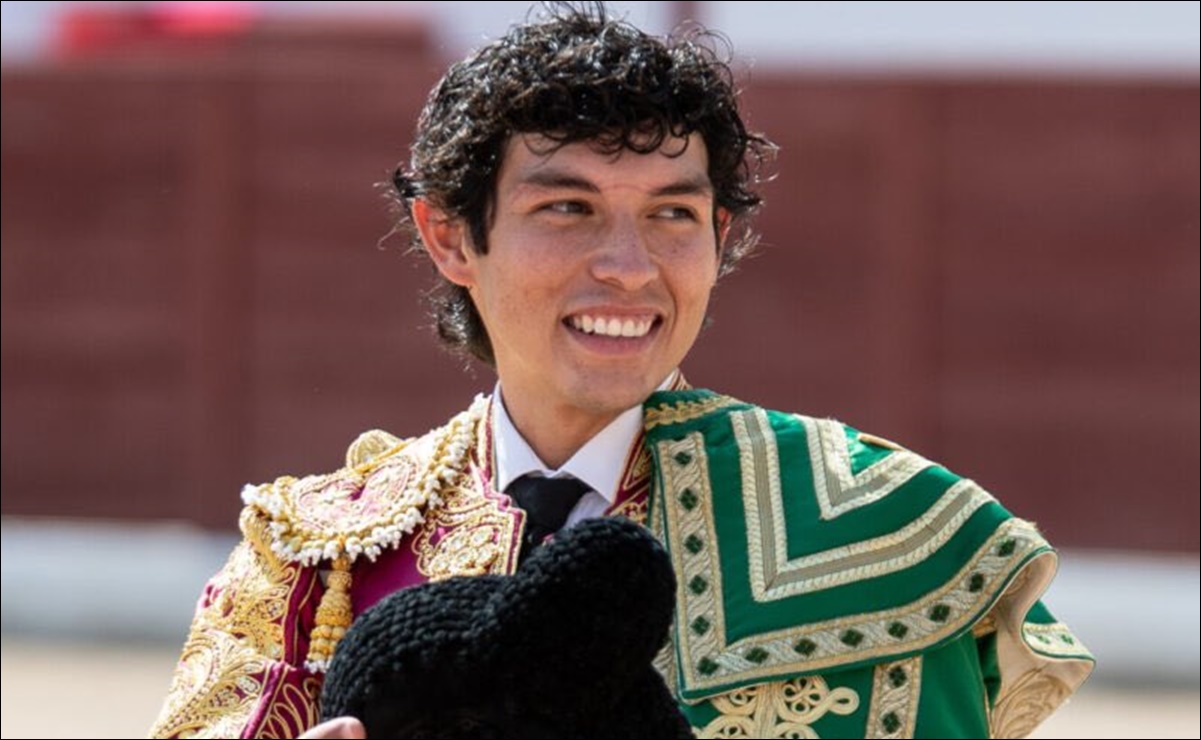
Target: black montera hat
{"points": [[561, 649]]}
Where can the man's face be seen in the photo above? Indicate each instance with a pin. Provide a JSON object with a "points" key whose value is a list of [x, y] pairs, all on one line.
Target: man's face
{"points": [[598, 271]]}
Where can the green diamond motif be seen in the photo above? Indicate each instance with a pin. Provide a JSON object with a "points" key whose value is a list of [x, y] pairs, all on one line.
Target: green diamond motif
{"points": [[805, 646], [1007, 547], [698, 585], [757, 655], [683, 458], [891, 722], [897, 676], [851, 637], [688, 499], [898, 630], [694, 544], [707, 667], [700, 625], [976, 582], [940, 612]]}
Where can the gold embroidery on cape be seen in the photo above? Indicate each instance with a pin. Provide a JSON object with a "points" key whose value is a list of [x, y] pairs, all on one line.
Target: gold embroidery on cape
{"points": [[677, 413], [840, 490], [1032, 698], [687, 508], [775, 576], [896, 688], [665, 661], [709, 662], [778, 709], [1053, 639], [234, 638]]}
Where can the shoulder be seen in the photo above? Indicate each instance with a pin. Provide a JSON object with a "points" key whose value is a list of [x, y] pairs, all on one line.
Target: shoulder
{"points": [[837, 467], [885, 552], [368, 505]]}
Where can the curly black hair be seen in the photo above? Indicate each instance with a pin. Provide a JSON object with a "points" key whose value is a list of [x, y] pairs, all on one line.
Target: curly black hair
{"points": [[574, 75]]}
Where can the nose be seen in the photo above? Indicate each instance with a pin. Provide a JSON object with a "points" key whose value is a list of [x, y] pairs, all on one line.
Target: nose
{"points": [[624, 259]]}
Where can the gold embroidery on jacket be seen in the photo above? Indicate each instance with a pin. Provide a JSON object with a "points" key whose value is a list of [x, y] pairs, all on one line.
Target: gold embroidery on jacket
{"points": [[293, 709], [633, 491], [778, 709], [234, 639], [470, 532], [474, 538]]}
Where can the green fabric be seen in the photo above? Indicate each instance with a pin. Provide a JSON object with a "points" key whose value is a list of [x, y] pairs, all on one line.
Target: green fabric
{"points": [[952, 700], [808, 533], [842, 555], [990, 669]]}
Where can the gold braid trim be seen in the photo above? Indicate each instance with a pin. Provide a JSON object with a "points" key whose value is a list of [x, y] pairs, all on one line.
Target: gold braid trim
{"points": [[666, 413], [896, 689], [778, 709]]}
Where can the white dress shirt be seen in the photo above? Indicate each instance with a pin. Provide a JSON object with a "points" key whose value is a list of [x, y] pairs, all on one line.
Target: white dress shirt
{"points": [[599, 463]]}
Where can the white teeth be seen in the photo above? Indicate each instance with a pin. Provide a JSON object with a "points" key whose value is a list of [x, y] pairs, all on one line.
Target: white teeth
{"points": [[612, 327]]}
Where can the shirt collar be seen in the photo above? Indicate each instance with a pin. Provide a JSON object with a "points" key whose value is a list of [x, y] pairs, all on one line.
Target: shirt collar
{"points": [[599, 463]]}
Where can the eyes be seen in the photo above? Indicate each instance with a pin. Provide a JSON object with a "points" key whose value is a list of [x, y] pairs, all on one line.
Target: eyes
{"points": [[578, 208], [567, 208]]}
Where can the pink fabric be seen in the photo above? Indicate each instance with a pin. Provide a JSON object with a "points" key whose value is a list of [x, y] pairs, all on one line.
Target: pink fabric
{"points": [[391, 571]]}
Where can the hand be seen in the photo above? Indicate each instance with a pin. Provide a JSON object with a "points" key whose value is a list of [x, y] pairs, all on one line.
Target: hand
{"points": [[337, 727]]}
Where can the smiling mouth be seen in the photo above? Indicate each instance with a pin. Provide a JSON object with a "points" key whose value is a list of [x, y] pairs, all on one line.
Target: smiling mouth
{"points": [[630, 327]]}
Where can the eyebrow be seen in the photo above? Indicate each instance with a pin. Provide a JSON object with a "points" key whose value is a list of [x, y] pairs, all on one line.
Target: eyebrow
{"points": [[549, 179]]}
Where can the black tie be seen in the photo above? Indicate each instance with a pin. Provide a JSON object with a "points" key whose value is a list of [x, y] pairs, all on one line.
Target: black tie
{"points": [[547, 502]]}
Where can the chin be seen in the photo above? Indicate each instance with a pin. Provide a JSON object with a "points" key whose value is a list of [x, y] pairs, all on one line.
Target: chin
{"points": [[616, 396]]}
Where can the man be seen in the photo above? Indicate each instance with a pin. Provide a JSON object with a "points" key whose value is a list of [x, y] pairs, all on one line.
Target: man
{"points": [[580, 186]]}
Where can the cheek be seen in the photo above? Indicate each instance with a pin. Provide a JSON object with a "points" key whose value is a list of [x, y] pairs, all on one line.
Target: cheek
{"points": [[695, 273]]}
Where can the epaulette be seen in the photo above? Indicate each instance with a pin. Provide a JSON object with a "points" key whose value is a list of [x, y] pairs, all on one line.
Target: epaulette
{"points": [[370, 505]]}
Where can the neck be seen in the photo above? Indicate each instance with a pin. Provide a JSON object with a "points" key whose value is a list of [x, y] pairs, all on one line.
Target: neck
{"points": [[555, 434]]}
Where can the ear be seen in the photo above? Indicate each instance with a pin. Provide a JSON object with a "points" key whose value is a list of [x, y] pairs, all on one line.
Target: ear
{"points": [[724, 221], [445, 239]]}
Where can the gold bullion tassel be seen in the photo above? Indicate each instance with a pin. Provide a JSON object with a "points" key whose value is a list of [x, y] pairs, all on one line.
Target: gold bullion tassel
{"points": [[333, 617]]}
